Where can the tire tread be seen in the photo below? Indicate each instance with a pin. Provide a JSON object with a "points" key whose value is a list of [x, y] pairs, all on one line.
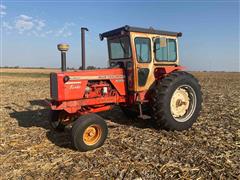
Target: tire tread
{"points": [[160, 92]]}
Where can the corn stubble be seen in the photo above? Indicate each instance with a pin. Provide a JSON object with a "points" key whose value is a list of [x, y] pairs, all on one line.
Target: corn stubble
{"points": [[133, 149]]}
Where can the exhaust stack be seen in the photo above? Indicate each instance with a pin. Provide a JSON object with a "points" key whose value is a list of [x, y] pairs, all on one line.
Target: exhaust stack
{"points": [[63, 48], [83, 29]]}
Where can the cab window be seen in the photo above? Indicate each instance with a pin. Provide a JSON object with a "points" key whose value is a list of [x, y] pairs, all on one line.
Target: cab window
{"points": [[143, 49], [165, 49], [119, 48]]}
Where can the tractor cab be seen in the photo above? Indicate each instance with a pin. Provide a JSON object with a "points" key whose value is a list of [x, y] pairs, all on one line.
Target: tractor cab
{"points": [[141, 52]]}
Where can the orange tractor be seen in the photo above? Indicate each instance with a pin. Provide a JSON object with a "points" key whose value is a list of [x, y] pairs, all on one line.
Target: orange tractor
{"points": [[144, 78]]}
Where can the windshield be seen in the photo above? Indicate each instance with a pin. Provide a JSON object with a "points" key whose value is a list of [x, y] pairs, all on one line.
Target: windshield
{"points": [[119, 48]]}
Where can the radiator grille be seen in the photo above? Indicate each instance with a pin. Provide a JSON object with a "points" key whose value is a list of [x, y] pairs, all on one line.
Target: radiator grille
{"points": [[54, 86]]}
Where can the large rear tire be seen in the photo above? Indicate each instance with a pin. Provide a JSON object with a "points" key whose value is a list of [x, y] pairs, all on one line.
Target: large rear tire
{"points": [[89, 132], [176, 101]]}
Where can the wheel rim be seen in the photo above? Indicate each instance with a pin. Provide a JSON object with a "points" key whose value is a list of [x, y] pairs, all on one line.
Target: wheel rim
{"points": [[183, 103], [92, 134]]}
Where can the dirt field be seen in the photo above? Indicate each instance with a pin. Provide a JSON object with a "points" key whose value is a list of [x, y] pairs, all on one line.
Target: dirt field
{"points": [[27, 70], [133, 149]]}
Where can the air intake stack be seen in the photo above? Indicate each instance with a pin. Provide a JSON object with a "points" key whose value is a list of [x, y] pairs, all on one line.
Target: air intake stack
{"points": [[63, 48]]}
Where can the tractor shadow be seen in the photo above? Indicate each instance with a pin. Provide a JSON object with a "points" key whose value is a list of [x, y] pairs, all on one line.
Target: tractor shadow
{"points": [[27, 116], [117, 117], [37, 115]]}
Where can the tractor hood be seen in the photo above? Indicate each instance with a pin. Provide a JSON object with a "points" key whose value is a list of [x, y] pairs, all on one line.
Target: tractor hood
{"points": [[71, 85]]}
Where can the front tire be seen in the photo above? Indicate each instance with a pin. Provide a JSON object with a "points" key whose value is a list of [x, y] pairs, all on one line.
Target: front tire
{"points": [[176, 101], [89, 132]]}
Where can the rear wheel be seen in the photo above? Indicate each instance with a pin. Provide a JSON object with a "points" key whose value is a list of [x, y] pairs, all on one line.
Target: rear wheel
{"points": [[176, 101], [89, 132]]}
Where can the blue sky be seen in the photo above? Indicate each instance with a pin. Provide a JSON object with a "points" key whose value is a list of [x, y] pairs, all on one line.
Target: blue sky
{"points": [[32, 29]]}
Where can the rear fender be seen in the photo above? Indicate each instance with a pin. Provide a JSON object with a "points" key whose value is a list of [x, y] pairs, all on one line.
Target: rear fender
{"points": [[162, 71]]}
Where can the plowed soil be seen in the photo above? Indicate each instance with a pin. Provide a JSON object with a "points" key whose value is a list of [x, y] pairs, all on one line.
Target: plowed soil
{"points": [[134, 149]]}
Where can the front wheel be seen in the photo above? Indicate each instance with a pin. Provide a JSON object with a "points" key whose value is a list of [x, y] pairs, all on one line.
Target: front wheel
{"points": [[176, 101], [89, 132]]}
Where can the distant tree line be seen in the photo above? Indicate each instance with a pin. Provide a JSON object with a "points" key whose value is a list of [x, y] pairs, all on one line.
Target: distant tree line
{"points": [[90, 67], [18, 67]]}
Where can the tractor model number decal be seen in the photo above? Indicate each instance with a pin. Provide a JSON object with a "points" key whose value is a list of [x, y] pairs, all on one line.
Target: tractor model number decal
{"points": [[78, 82], [96, 77], [75, 86], [119, 80]]}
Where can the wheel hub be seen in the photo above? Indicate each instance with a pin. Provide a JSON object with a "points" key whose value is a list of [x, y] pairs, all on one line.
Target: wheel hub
{"points": [[92, 134], [179, 102]]}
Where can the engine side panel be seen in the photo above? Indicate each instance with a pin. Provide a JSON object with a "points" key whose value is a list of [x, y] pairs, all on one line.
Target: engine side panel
{"points": [[72, 85]]}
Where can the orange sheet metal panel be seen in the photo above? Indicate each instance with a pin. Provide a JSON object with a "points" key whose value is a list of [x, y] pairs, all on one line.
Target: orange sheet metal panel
{"points": [[74, 88]]}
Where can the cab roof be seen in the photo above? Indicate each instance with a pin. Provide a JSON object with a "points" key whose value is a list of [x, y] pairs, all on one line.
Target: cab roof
{"points": [[122, 30]]}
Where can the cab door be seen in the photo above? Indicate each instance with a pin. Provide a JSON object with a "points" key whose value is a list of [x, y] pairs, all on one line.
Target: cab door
{"points": [[142, 61]]}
